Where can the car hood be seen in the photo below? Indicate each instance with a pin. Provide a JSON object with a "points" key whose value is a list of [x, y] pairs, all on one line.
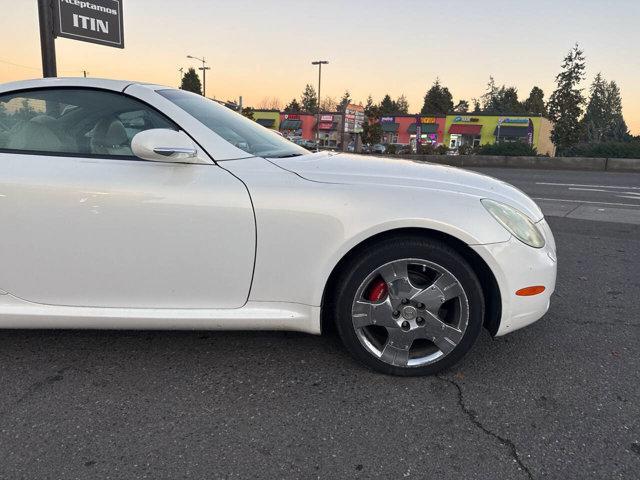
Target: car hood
{"points": [[353, 169]]}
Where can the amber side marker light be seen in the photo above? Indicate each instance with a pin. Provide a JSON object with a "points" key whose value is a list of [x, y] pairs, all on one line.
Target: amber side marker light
{"points": [[530, 291]]}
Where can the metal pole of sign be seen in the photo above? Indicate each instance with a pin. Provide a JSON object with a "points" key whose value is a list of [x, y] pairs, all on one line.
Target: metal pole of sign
{"points": [[47, 38], [319, 63], [418, 135]]}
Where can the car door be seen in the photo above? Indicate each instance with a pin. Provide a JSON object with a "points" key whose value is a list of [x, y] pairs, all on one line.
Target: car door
{"points": [[85, 223]]}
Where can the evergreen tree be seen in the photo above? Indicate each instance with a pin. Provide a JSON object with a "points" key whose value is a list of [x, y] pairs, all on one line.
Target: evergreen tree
{"points": [[402, 105], [603, 120], [247, 112], [387, 106], [489, 98], [371, 133], [344, 101], [501, 100], [617, 128], [309, 99], [191, 82], [565, 104], [509, 102], [371, 109], [461, 107], [596, 117], [438, 99], [293, 107], [535, 103]]}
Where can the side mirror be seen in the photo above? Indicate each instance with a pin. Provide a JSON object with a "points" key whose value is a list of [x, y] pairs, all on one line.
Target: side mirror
{"points": [[164, 145]]}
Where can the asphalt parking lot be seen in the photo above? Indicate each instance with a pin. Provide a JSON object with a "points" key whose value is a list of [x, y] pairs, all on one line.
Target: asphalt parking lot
{"points": [[559, 399]]}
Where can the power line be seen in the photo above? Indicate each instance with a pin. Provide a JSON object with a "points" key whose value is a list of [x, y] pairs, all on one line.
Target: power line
{"points": [[18, 65], [79, 70]]}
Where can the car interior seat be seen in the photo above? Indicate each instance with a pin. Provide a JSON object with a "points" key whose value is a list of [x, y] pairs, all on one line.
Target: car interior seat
{"points": [[36, 134], [110, 138]]}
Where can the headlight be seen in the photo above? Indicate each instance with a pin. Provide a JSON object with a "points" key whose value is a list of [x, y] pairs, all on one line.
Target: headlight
{"points": [[516, 222]]}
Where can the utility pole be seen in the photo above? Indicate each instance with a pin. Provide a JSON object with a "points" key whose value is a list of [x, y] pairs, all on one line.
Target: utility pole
{"points": [[203, 69], [47, 39], [319, 63], [84, 73], [181, 70]]}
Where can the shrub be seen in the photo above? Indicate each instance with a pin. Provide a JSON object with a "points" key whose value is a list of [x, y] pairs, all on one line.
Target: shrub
{"points": [[426, 149], [604, 150], [467, 149], [391, 149], [508, 149], [442, 149]]}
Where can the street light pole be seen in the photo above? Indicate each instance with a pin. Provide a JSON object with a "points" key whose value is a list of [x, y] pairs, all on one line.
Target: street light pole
{"points": [[47, 38], [319, 63], [203, 69]]}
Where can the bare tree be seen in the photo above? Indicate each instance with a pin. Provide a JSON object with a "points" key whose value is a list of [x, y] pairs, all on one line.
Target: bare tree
{"points": [[270, 103], [329, 104]]}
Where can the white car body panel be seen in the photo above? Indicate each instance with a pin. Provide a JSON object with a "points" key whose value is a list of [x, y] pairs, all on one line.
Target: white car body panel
{"points": [[316, 231], [17, 313], [97, 243], [124, 233], [438, 179]]}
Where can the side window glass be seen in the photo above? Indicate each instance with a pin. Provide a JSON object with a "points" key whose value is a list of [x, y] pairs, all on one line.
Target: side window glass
{"points": [[74, 121]]}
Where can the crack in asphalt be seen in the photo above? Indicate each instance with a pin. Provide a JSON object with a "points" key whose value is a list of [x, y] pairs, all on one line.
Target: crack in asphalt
{"points": [[473, 418], [37, 386]]}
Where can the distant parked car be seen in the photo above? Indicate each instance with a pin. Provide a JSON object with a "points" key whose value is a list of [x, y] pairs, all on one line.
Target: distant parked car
{"points": [[378, 148]]}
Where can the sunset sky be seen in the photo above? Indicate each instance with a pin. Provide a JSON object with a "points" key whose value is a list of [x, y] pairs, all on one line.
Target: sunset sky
{"points": [[261, 49]]}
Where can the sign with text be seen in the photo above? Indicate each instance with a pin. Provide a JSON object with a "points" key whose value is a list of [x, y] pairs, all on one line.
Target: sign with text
{"points": [[353, 118], [94, 21], [522, 121], [461, 118], [428, 120]]}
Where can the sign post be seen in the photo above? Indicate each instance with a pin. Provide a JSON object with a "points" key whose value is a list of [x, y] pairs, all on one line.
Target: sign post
{"points": [[93, 21], [47, 39], [353, 124], [418, 134]]}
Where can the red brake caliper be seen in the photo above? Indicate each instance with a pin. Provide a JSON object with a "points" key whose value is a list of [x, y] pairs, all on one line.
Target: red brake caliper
{"points": [[377, 291]]}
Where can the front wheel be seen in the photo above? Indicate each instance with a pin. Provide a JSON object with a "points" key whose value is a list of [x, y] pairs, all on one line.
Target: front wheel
{"points": [[409, 306]]}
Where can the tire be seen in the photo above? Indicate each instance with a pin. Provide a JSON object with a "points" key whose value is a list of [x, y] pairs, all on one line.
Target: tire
{"points": [[430, 317]]}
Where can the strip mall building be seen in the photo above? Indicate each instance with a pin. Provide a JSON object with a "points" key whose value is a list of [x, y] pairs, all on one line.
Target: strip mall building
{"points": [[454, 130], [482, 129]]}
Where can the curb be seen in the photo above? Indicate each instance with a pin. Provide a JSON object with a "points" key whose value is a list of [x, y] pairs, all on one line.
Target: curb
{"points": [[543, 163]]}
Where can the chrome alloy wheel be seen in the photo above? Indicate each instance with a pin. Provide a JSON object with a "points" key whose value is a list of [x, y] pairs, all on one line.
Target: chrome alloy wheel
{"points": [[410, 312]]}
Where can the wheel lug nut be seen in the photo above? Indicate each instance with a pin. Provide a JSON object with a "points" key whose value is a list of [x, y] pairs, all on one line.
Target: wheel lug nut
{"points": [[421, 306], [406, 326], [396, 313], [420, 321], [405, 301]]}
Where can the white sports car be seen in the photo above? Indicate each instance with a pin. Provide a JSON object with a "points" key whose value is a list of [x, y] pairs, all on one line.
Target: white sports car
{"points": [[128, 205]]}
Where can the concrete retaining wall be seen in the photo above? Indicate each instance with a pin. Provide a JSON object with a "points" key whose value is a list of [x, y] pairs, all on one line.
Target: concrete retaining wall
{"points": [[543, 163]]}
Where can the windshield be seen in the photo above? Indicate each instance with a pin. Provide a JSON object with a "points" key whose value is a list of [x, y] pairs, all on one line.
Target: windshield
{"points": [[240, 131]]}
